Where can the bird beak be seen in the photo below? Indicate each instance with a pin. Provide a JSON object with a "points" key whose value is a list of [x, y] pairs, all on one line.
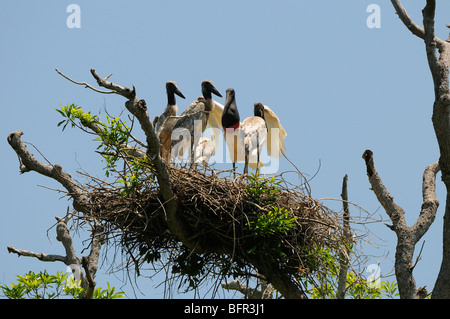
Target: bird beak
{"points": [[215, 91], [229, 99], [178, 92]]}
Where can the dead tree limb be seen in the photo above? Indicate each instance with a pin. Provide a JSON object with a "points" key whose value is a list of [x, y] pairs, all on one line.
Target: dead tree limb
{"points": [[266, 291], [29, 163], [344, 256], [438, 56], [407, 237], [70, 259], [138, 108]]}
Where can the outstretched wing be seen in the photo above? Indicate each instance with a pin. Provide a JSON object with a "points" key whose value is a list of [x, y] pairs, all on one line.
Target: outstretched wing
{"points": [[255, 132], [215, 124], [275, 133]]}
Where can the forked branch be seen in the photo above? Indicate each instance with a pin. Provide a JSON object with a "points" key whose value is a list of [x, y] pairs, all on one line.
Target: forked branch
{"points": [[89, 263], [411, 25], [407, 237]]}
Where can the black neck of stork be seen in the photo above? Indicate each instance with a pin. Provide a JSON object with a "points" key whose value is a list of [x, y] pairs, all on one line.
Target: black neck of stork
{"points": [[171, 100], [230, 115], [258, 110]]}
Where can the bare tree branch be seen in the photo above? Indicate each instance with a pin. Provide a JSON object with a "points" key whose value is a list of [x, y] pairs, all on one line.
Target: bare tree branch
{"points": [[89, 263], [40, 256], [439, 67], [265, 292], [430, 202], [29, 163], [139, 109], [63, 235], [410, 24], [86, 85], [344, 256], [89, 279], [407, 237], [394, 211]]}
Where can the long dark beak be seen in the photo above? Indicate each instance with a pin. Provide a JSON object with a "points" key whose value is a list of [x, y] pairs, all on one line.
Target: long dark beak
{"points": [[215, 91], [229, 99], [178, 92]]}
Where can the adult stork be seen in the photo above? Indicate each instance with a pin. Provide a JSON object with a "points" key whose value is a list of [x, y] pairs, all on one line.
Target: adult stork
{"points": [[164, 124], [193, 121], [235, 135], [230, 124]]}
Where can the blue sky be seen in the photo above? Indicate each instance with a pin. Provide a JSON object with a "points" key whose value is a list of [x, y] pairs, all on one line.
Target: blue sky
{"points": [[338, 87]]}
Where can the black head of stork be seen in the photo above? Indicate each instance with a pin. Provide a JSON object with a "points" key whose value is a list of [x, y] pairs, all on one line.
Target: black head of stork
{"points": [[172, 89], [165, 123], [208, 89]]}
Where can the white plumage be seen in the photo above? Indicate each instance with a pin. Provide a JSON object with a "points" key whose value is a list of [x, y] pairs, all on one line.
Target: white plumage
{"points": [[204, 150], [274, 139], [255, 134]]}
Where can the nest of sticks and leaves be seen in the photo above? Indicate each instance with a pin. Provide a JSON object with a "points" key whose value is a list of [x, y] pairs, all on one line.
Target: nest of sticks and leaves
{"points": [[233, 225], [244, 224]]}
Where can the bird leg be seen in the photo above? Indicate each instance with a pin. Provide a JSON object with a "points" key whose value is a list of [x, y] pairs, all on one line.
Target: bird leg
{"points": [[257, 154], [246, 162]]}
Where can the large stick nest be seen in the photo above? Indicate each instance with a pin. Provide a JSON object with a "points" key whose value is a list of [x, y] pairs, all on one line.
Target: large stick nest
{"points": [[224, 215]]}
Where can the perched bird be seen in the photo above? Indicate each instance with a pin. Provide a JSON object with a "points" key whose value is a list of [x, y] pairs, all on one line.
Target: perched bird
{"points": [[235, 135], [255, 134], [164, 124], [204, 150], [275, 134], [193, 121], [230, 123]]}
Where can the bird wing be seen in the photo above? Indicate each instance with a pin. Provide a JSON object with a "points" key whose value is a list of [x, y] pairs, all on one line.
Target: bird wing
{"points": [[255, 132], [194, 112], [193, 107], [273, 122], [215, 124]]}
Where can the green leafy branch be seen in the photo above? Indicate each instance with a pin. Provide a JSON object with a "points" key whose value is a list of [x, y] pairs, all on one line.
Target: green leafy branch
{"points": [[114, 136], [44, 286], [71, 113], [324, 267]]}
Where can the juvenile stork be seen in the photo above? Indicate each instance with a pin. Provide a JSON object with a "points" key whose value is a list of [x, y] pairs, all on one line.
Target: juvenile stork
{"points": [[193, 121], [204, 150], [164, 124]]}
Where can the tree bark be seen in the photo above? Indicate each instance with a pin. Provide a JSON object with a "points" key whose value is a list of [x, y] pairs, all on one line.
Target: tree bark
{"points": [[407, 237], [344, 258], [89, 263], [439, 67], [139, 109]]}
